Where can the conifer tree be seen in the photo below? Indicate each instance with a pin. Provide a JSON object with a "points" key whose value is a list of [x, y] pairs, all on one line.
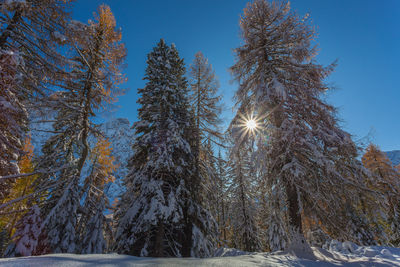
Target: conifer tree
{"points": [[23, 186], [205, 104], [272, 213], [57, 231], [387, 181], [35, 30], [92, 222], [96, 75], [222, 199], [153, 215], [26, 236], [13, 120], [28, 42], [306, 152], [243, 207], [152, 223], [242, 189]]}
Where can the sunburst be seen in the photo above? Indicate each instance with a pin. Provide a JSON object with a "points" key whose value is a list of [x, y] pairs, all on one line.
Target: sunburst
{"points": [[248, 125]]}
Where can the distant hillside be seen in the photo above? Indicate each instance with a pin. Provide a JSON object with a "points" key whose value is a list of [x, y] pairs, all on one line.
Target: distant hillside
{"points": [[394, 156]]}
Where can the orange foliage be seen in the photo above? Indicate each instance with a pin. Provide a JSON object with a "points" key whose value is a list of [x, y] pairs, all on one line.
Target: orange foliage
{"points": [[111, 47], [104, 162], [21, 187], [379, 164]]}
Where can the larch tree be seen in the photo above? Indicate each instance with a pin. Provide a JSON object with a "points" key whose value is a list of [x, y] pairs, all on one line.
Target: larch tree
{"points": [[95, 76], [23, 186], [13, 120], [222, 180], [204, 102], [206, 108], [29, 45], [243, 208], [305, 152], [35, 29], [387, 181]]}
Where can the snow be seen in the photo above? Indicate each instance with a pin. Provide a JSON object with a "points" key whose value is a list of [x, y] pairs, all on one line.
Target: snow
{"points": [[362, 256], [59, 36]]}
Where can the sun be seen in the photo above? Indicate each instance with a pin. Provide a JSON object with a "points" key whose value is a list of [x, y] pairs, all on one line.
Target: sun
{"points": [[248, 124], [251, 124]]}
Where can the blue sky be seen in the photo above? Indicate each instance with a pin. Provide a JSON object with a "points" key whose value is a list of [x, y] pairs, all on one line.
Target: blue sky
{"points": [[364, 35]]}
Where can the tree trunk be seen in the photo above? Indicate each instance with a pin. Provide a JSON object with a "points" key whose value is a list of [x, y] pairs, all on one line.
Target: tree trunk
{"points": [[246, 241], [298, 245], [159, 241], [294, 208], [187, 235], [223, 222]]}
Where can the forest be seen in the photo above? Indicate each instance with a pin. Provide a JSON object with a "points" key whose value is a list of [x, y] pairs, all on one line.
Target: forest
{"points": [[282, 176]]}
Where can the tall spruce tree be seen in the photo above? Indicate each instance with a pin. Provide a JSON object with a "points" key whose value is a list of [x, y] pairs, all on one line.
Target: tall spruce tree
{"points": [[152, 219], [151, 223], [306, 152]]}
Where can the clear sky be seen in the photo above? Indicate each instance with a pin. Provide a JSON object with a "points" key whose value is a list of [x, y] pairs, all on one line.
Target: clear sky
{"points": [[364, 35]]}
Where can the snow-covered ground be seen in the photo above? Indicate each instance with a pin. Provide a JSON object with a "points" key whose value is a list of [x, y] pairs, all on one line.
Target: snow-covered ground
{"points": [[336, 254]]}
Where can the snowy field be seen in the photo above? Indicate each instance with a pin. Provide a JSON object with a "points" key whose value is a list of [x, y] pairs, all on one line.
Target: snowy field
{"points": [[338, 254]]}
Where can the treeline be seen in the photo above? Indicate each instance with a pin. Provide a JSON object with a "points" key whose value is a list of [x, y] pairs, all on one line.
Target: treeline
{"points": [[290, 179]]}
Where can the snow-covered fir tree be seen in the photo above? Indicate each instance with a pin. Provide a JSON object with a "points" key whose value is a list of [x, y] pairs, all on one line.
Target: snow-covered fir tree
{"points": [[27, 32], [26, 236], [152, 218], [91, 224], [273, 211], [57, 231], [93, 241], [306, 152]]}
